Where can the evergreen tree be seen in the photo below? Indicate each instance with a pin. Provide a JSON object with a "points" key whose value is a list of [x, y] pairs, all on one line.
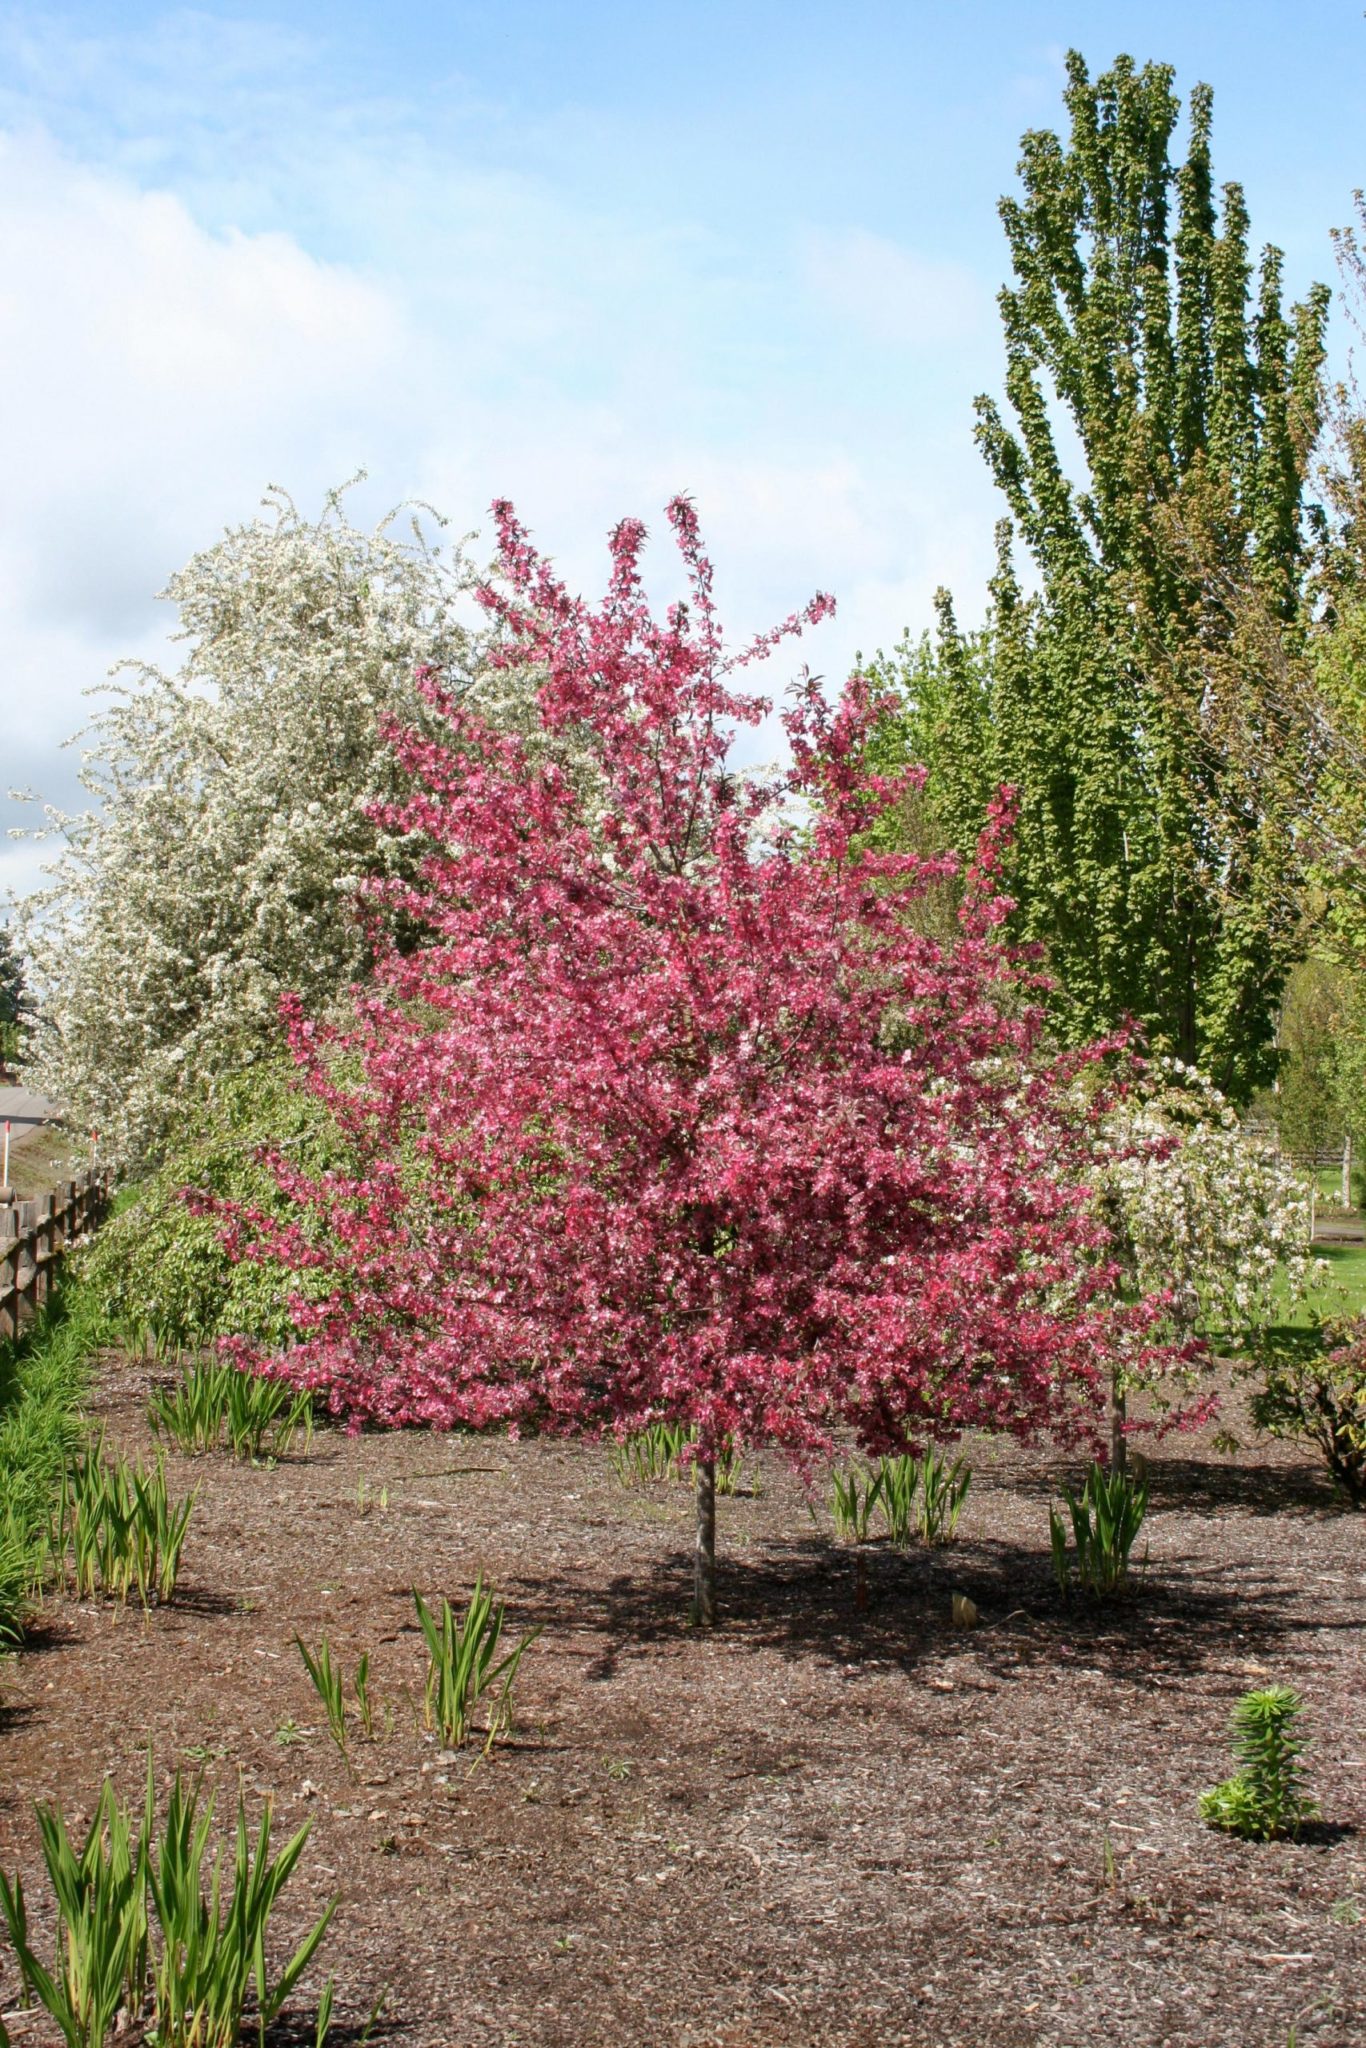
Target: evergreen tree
{"points": [[1158, 876], [12, 1002]]}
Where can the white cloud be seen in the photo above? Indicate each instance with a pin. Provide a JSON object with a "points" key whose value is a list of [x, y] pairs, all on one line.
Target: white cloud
{"points": [[157, 378], [892, 294], [154, 375], [160, 375]]}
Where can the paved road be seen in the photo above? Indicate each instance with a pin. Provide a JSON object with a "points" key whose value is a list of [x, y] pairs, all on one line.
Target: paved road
{"points": [[24, 1110]]}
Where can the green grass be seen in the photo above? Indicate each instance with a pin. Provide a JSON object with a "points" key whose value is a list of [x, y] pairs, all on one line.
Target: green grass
{"points": [[42, 1377], [1340, 1294], [1328, 1181], [1343, 1292]]}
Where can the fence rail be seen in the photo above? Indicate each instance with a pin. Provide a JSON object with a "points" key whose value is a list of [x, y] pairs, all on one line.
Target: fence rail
{"points": [[33, 1237], [1337, 1158]]}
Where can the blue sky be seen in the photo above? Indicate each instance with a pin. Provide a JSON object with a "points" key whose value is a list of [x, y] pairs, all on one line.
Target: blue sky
{"points": [[583, 256]]}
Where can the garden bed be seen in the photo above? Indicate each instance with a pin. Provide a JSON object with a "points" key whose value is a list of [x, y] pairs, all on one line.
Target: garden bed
{"points": [[836, 1821]]}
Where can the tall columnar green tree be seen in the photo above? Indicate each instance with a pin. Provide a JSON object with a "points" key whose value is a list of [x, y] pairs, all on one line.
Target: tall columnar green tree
{"points": [[1155, 873]]}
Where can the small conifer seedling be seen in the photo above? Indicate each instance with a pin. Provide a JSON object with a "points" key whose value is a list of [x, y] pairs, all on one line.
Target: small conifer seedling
{"points": [[1265, 1797]]}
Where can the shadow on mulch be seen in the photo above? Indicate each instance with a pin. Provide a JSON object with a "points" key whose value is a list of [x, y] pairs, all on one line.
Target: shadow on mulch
{"points": [[300, 2030], [203, 1601], [43, 1635], [1200, 1484], [882, 1608], [1196, 1483], [1323, 1834]]}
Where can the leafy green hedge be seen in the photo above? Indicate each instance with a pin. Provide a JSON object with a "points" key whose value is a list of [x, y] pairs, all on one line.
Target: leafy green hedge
{"points": [[159, 1270]]}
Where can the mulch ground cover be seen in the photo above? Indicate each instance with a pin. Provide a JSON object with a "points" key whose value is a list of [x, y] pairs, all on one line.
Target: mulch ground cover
{"points": [[836, 1821]]}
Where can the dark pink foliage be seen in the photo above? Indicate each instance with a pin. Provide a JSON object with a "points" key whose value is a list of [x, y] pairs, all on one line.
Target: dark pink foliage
{"points": [[676, 1114]]}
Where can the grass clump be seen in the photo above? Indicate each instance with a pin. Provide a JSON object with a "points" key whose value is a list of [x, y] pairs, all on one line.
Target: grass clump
{"points": [[464, 1668], [151, 1925], [100, 1888], [943, 1492], [213, 1400], [1106, 1517], [917, 1497], [328, 1681], [119, 1528], [43, 1375], [651, 1454], [854, 1494], [661, 1452]]}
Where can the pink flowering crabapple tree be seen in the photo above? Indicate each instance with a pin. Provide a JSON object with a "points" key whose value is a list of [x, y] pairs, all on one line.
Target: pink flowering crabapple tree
{"points": [[674, 1113]]}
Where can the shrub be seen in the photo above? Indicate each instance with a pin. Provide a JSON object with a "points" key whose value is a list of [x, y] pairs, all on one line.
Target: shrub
{"points": [[1265, 1796], [1106, 1518], [14, 1004], [1201, 1210], [159, 1266], [1313, 1390], [253, 763]]}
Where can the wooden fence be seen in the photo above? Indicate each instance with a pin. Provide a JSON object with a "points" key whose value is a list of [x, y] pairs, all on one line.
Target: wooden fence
{"points": [[33, 1236], [1336, 1158]]}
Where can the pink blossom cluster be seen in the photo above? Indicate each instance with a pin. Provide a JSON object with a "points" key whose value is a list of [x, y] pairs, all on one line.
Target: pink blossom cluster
{"points": [[673, 1111]]}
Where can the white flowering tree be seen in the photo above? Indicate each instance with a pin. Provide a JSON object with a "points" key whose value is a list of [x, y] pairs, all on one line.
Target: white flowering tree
{"points": [[1201, 1211], [1200, 1208], [227, 830]]}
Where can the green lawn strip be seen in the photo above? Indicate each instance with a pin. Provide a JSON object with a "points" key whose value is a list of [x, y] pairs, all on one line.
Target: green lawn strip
{"points": [[1342, 1291], [43, 1375], [1328, 1182]]}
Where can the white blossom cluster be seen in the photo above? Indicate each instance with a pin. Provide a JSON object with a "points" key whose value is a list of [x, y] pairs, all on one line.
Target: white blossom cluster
{"points": [[1200, 1208], [227, 831]]}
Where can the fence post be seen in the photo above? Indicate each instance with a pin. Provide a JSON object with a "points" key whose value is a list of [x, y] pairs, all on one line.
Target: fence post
{"points": [[61, 1217], [33, 1238], [44, 1250], [9, 1272], [26, 1265]]}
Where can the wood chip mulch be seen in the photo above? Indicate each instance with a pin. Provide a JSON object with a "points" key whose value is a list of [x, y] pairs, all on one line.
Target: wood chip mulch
{"points": [[839, 1822]]}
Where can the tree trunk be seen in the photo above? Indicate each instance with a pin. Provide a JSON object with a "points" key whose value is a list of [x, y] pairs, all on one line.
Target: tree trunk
{"points": [[1347, 1171], [704, 1559], [1119, 1456]]}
